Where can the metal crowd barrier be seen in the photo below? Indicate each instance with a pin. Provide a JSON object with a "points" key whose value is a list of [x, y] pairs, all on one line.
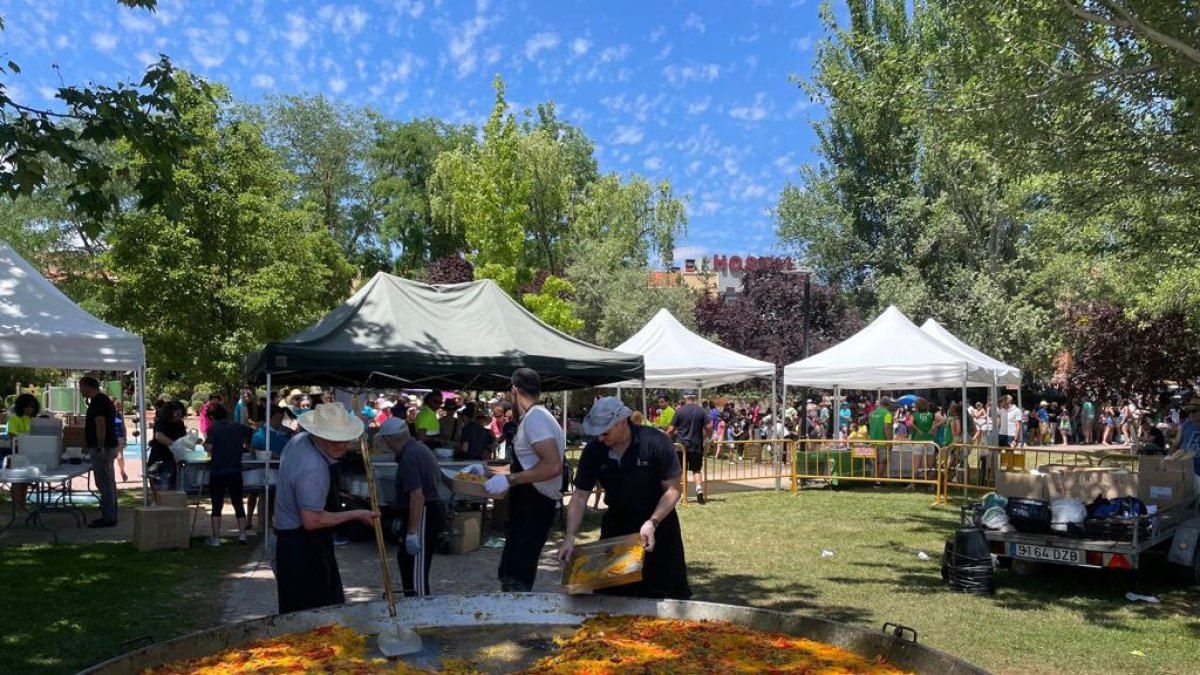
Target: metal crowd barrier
{"points": [[741, 462], [865, 461]]}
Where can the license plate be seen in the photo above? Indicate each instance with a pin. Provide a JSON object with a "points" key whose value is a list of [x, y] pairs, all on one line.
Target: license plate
{"points": [[1064, 556]]}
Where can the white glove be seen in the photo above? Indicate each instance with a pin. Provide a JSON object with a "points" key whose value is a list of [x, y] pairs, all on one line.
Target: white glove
{"points": [[412, 544], [496, 485]]}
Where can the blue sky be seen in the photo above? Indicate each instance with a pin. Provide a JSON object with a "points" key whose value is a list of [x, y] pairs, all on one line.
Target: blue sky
{"points": [[695, 92]]}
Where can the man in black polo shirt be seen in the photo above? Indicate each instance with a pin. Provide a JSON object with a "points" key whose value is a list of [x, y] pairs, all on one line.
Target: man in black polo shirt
{"points": [[639, 471], [100, 436]]}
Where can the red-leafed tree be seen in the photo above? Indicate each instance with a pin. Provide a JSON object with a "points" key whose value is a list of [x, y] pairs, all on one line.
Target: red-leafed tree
{"points": [[452, 269], [1112, 353], [767, 320]]}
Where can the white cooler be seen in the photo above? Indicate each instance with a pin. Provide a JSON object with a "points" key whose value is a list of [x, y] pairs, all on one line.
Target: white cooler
{"points": [[43, 450]]}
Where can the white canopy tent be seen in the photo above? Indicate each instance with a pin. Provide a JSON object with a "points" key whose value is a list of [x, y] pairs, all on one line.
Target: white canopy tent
{"points": [[677, 358], [1002, 373], [40, 327], [890, 353]]}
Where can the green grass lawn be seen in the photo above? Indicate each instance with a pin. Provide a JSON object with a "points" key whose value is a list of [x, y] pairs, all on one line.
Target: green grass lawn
{"points": [[763, 549], [71, 605]]}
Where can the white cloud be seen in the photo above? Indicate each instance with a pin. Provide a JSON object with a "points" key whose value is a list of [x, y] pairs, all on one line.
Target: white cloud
{"points": [[337, 85], [146, 57], [263, 81], [539, 43], [580, 46], [345, 21], [137, 21], [694, 22], [62, 42], [708, 207], [656, 34], [626, 135], [492, 55], [665, 52], [693, 252], [403, 70], [804, 43], [753, 112], [461, 45], [787, 163], [241, 36], [694, 166], [617, 53], [105, 42], [677, 75], [653, 163], [208, 47], [297, 30], [697, 107], [414, 8], [754, 191], [47, 93]]}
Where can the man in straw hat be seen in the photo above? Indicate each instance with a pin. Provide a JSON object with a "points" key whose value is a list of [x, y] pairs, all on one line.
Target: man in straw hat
{"points": [[534, 484], [306, 509], [639, 470]]}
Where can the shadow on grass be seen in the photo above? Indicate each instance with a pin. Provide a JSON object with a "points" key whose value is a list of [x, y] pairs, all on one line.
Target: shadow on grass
{"points": [[79, 602], [735, 588]]}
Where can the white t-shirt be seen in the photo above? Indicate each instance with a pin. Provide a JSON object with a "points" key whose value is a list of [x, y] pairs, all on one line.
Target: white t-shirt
{"points": [[1009, 420], [538, 425]]}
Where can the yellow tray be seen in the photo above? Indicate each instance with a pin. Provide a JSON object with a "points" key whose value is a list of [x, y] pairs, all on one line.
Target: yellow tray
{"points": [[615, 561]]}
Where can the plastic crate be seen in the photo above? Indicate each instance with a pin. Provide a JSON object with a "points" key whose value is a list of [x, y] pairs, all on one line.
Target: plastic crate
{"points": [[158, 527]]}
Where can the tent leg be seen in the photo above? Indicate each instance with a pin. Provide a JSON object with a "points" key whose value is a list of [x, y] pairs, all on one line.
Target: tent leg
{"points": [[773, 433], [566, 400], [645, 408], [140, 397]]}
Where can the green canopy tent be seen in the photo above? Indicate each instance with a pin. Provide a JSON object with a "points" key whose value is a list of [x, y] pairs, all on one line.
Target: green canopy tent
{"points": [[396, 332]]}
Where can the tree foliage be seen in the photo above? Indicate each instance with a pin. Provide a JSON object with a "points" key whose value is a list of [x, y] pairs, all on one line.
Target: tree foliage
{"points": [[227, 263], [983, 164], [143, 115]]}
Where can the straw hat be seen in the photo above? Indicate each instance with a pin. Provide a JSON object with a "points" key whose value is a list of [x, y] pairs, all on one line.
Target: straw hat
{"points": [[332, 422]]}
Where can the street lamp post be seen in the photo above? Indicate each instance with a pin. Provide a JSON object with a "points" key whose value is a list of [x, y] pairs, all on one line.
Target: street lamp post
{"points": [[807, 272]]}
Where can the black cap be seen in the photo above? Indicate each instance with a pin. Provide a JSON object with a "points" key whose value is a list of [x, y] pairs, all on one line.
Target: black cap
{"points": [[528, 381]]}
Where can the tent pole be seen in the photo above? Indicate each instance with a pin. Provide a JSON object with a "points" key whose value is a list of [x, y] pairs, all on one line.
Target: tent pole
{"points": [[773, 433], [140, 397], [266, 505], [836, 417], [645, 408], [564, 413]]}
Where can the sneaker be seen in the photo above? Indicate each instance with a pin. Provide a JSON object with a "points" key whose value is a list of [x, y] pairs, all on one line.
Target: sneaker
{"points": [[242, 539], [339, 540], [700, 498], [213, 541]]}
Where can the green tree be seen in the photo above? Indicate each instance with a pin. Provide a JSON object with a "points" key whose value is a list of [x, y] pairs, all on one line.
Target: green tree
{"points": [[227, 262], [36, 141], [325, 145], [402, 161]]}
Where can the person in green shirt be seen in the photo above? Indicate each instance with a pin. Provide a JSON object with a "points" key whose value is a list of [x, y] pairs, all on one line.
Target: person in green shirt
{"points": [[428, 427], [667, 416], [924, 424], [879, 428], [1087, 420], [24, 409]]}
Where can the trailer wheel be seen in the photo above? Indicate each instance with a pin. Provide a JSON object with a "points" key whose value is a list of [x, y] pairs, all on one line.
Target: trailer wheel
{"points": [[1185, 575]]}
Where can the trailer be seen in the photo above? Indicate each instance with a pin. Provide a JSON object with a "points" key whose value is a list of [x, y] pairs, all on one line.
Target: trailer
{"points": [[1175, 529]]}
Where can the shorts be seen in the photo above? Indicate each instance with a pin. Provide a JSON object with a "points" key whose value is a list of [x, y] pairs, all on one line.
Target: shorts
{"points": [[692, 460]]}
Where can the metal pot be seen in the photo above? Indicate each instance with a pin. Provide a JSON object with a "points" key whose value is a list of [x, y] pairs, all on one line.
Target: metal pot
{"points": [[899, 647]]}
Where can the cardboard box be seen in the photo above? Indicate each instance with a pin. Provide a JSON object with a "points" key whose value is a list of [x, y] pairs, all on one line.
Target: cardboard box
{"points": [[465, 532], [1022, 485], [468, 488], [1087, 483], [175, 499], [1164, 482], [156, 527], [74, 437]]}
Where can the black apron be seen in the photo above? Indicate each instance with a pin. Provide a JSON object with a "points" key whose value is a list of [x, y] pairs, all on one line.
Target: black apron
{"points": [[530, 517], [306, 569], [631, 496]]}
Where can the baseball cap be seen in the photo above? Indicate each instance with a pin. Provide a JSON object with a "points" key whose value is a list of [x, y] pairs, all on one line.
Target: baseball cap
{"points": [[393, 426], [604, 414]]}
